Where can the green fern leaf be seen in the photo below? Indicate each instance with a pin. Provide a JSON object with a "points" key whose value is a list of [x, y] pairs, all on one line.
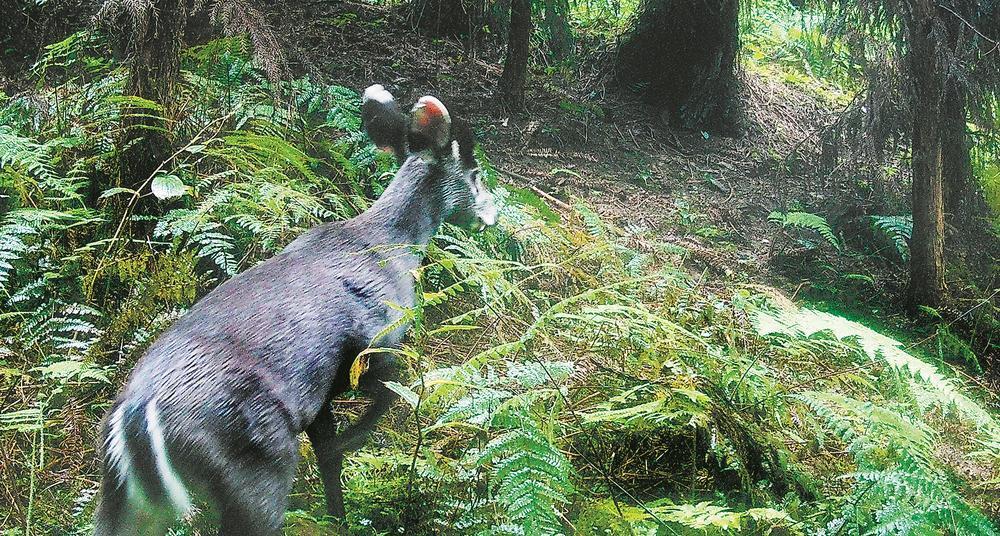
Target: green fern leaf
{"points": [[806, 220]]}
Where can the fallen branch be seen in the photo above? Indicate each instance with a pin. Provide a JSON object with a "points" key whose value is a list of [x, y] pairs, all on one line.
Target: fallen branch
{"points": [[548, 197]]}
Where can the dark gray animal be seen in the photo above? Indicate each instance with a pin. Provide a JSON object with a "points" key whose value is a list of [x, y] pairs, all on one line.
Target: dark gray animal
{"points": [[214, 408]]}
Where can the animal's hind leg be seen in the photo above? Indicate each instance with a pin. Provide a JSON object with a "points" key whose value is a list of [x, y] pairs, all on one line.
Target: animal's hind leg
{"points": [[254, 505], [330, 446], [322, 435], [118, 514], [252, 477], [114, 501]]}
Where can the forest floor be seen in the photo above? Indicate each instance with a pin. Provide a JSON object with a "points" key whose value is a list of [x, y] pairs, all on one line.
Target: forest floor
{"points": [[580, 138]]}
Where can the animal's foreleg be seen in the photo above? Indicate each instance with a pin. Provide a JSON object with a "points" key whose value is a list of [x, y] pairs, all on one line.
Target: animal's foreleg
{"points": [[330, 446]]}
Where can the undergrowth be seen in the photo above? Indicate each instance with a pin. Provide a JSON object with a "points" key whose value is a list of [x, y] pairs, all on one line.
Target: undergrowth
{"points": [[566, 376]]}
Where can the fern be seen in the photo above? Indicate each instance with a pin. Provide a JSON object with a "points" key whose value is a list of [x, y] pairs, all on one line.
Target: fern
{"points": [[343, 109], [12, 247], [806, 220], [217, 247], [666, 517], [878, 347], [898, 230], [648, 405], [263, 151], [594, 224], [19, 153], [917, 500], [529, 475], [901, 490], [73, 329]]}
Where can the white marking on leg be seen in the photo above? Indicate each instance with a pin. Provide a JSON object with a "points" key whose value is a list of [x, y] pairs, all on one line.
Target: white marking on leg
{"points": [[171, 482], [119, 460], [114, 446]]}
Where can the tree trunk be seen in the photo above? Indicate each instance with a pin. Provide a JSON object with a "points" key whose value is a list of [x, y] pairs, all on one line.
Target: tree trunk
{"points": [[150, 40], [515, 67], [559, 34], [962, 198], [966, 211], [447, 18], [927, 284], [682, 57], [13, 19]]}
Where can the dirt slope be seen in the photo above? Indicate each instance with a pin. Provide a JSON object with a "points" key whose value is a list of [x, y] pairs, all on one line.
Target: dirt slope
{"points": [[580, 138]]}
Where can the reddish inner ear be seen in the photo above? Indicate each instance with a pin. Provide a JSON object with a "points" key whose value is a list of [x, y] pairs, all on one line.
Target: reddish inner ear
{"points": [[430, 112]]}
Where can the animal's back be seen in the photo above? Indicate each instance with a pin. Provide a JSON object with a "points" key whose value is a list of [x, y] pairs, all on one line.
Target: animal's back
{"points": [[252, 362], [284, 323]]}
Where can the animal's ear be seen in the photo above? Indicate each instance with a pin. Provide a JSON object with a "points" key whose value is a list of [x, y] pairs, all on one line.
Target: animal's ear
{"points": [[430, 125], [384, 122], [461, 132]]}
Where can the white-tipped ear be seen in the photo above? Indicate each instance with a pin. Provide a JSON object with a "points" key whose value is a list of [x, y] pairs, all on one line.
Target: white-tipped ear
{"points": [[431, 120], [376, 92], [383, 121]]}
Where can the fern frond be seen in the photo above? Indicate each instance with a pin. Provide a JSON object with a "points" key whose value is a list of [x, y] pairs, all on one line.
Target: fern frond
{"points": [[12, 247], [898, 230], [530, 475], [806, 220], [594, 224], [803, 323], [26, 154]]}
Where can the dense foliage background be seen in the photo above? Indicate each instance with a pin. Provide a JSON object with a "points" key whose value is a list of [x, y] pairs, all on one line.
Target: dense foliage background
{"points": [[598, 363]]}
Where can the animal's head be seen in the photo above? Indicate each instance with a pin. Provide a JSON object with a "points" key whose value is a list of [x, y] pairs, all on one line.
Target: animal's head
{"points": [[447, 143]]}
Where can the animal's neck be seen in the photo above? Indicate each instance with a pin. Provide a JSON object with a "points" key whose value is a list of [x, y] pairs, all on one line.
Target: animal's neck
{"points": [[411, 209]]}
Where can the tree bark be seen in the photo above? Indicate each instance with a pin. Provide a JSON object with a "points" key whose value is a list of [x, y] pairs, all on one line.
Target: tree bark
{"points": [[682, 58], [515, 68], [560, 35], [965, 206], [150, 41], [927, 283]]}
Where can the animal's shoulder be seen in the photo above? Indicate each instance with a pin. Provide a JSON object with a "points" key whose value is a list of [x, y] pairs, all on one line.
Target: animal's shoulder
{"points": [[320, 234]]}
